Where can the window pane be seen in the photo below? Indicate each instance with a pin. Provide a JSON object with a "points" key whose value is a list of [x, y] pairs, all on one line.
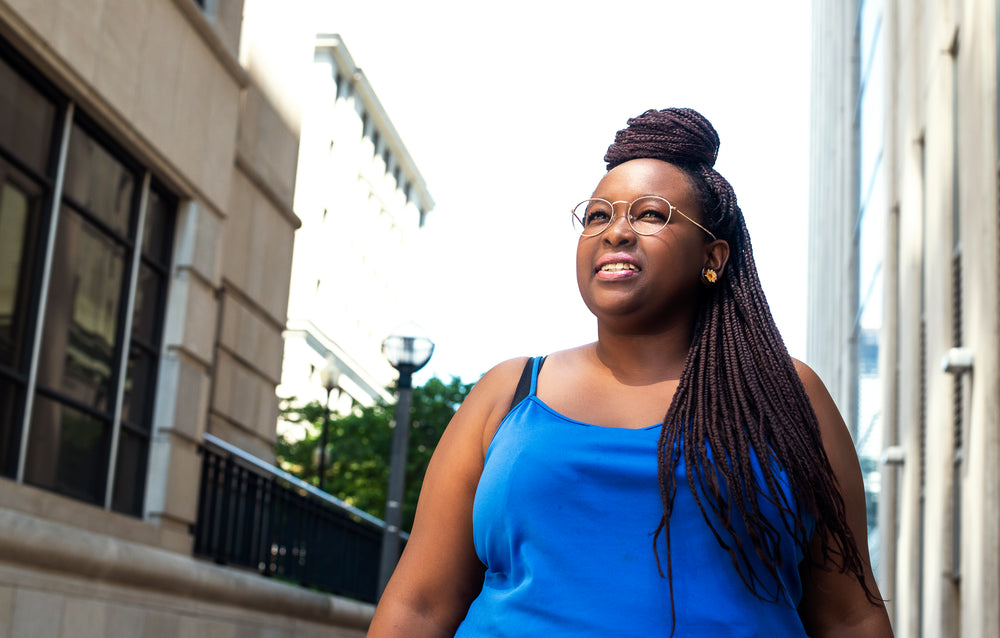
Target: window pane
{"points": [[26, 118], [82, 317], [156, 236], [130, 473], [148, 300], [67, 451], [10, 426], [99, 182], [138, 388], [19, 217]]}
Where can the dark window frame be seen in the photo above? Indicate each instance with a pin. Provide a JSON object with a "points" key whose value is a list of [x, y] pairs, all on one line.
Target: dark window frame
{"points": [[21, 381]]}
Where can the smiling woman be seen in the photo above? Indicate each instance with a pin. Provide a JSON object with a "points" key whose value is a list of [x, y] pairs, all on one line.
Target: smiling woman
{"points": [[562, 502]]}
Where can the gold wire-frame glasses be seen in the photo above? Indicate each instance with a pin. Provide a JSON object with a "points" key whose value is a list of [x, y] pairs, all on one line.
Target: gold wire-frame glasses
{"points": [[593, 216]]}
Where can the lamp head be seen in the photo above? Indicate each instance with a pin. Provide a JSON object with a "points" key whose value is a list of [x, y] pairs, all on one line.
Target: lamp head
{"points": [[407, 349], [329, 374]]}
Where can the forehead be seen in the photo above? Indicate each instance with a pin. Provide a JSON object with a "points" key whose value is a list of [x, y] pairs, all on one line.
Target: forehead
{"points": [[640, 177]]}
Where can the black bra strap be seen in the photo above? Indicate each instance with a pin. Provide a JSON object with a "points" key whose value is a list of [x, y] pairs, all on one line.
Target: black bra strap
{"points": [[524, 383]]}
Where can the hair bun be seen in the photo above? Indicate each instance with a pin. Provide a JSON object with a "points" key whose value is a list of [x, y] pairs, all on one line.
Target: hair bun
{"points": [[678, 136]]}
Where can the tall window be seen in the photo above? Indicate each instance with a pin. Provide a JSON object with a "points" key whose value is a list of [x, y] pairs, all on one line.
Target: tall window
{"points": [[85, 238]]}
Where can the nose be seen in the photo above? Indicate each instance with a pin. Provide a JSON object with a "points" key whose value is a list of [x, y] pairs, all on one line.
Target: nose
{"points": [[619, 231]]}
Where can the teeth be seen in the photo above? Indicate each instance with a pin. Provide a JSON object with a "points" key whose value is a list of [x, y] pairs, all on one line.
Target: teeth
{"points": [[617, 266]]}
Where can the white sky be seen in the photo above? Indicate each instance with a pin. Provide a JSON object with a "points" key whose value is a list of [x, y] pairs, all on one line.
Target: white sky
{"points": [[508, 108]]}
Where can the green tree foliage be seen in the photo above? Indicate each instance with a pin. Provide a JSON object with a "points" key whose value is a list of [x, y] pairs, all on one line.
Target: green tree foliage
{"points": [[358, 445]]}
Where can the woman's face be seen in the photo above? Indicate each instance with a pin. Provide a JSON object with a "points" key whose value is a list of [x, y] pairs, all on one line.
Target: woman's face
{"points": [[641, 283]]}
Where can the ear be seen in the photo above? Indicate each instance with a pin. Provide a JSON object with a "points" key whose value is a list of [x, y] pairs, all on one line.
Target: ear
{"points": [[716, 255]]}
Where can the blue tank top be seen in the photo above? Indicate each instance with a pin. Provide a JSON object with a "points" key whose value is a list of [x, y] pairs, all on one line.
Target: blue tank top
{"points": [[563, 519]]}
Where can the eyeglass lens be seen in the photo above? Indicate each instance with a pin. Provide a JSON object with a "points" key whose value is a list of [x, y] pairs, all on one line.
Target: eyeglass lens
{"points": [[646, 215]]}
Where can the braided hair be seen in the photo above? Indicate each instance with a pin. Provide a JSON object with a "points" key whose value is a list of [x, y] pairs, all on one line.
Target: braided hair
{"points": [[740, 415]]}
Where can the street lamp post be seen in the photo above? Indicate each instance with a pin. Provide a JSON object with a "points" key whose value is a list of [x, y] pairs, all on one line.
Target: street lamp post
{"points": [[407, 354], [329, 376]]}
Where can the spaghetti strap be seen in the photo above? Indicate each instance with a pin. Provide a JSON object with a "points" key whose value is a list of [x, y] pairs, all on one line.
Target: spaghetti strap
{"points": [[528, 382], [535, 367]]}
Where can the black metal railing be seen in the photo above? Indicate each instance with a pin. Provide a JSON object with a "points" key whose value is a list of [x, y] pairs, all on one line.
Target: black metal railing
{"points": [[254, 515]]}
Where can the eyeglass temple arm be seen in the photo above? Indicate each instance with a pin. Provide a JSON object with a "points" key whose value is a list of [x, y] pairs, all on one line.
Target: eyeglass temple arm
{"points": [[710, 233]]}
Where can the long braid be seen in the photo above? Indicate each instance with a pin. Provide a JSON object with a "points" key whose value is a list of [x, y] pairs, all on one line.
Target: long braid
{"points": [[740, 415]]}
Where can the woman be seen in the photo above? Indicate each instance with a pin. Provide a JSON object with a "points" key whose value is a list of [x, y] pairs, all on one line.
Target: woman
{"points": [[561, 502]]}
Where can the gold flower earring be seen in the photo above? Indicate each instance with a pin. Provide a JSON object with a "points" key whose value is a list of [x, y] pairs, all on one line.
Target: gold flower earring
{"points": [[709, 276]]}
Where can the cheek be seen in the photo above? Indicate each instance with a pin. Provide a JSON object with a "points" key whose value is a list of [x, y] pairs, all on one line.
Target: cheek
{"points": [[584, 259]]}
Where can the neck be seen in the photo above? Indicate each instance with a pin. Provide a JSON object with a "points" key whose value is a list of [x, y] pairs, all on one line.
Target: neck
{"points": [[642, 359]]}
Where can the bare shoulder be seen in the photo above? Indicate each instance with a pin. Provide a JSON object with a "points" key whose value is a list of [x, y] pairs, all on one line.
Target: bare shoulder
{"points": [[490, 398], [831, 423], [809, 378]]}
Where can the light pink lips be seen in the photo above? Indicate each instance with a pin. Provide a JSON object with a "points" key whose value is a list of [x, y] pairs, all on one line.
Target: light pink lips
{"points": [[617, 266]]}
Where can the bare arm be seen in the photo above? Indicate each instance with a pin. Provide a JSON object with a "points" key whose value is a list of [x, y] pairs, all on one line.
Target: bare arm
{"points": [[439, 573], [834, 604]]}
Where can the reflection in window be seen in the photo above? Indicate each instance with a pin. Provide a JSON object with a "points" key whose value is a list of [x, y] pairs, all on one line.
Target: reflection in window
{"points": [[67, 451], [26, 120], [99, 183], [83, 315], [19, 210]]}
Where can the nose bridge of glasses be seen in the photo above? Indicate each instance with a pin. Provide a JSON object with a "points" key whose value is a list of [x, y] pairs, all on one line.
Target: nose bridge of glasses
{"points": [[615, 217]]}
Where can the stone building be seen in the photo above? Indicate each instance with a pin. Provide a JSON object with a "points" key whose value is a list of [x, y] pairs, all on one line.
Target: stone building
{"points": [[905, 260], [148, 153]]}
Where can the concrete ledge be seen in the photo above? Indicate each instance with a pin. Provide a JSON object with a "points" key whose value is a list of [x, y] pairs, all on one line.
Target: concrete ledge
{"points": [[34, 542]]}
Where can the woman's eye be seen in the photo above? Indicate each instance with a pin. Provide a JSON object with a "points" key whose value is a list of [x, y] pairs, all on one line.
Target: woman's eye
{"points": [[651, 216], [597, 217]]}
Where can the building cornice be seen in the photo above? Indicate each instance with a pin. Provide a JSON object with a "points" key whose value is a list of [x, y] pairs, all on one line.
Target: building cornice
{"points": [[334, 44]]}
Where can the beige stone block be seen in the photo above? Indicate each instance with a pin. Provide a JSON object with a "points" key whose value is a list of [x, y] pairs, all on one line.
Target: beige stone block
{"points": [[221, 112], [274, 632], [243, 396], [266, 280], [200, 80], [41, 16], [125, 620], [84, 618], [200, 320], [194, 83], [276, 277], [206, 258], [237, 229], [268, 143], [228, 23], [190, 318], [206, 628], [249, 442], [6, 610], [197, 244], [76, 34], [182, 399], [252, 336], [36, 613], [124, 25], [162, 625], [182, 486], [172, 483], [159, 72]]}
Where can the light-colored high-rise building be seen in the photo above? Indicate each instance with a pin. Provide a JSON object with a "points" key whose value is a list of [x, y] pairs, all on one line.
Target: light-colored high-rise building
{"points": [[362, 202], [904, 314]]}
